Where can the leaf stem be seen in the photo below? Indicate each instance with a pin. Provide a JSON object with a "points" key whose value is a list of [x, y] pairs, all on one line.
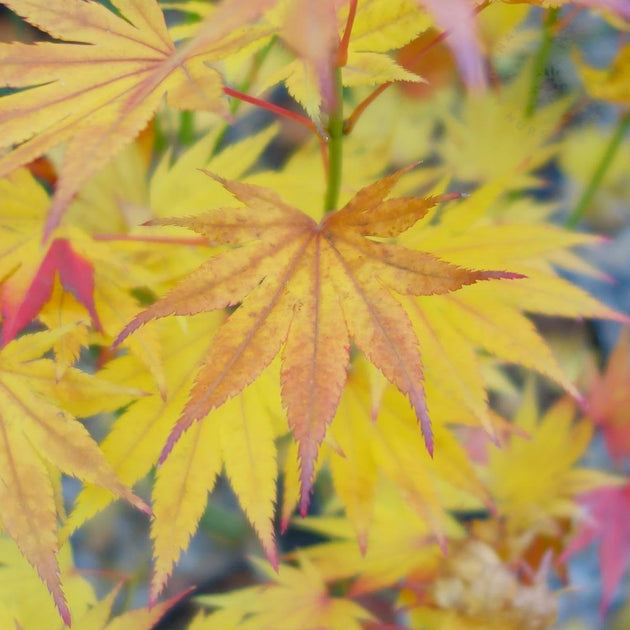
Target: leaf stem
{"points": [[342, 52], [335, 147], [167, 240], [540, 61], [186, 135], [362, 106], [275, 109], [244, 87], [598, 175]]}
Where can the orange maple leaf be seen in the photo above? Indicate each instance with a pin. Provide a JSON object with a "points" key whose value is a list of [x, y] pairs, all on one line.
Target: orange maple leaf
{"points": [[608, 400], [308, 287], [98, 89]]}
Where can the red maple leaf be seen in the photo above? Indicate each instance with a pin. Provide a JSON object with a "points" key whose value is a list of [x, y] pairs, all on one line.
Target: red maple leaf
{"points": [[609, 518], [76, 275]]}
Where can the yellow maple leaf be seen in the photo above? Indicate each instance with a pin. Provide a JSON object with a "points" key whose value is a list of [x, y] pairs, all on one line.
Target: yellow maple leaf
{"points": [[97, 89], [35, 430], [239, 437], [534, 481], [134, 443], [296, 597], [612, 83], [401, 544], [26, 601], [469, 234], [379, 26], [245, 448], [491, 138], [383, 442]]}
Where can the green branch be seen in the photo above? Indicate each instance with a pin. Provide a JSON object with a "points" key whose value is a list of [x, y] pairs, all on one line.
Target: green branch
{"points": [[540, 61], [335, 147], [598, 175]]}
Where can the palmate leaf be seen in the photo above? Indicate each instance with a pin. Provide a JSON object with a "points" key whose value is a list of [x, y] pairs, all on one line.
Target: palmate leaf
{"points": [[295, 597], [34, 429], [99, 88], [369, 445], [401, 543], [98, 275], [609, 398], [535, 482], [24, 599], [379, 26], [607, 513], [490, 316], [239, 437], [310, 288]]}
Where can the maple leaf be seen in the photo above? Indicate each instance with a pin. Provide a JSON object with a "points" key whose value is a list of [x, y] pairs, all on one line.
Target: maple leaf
{"points": [[310, 30], [35, 430], [608, 401], [134, 442], [97, 90], [490, 139], [238, 436], [534, 481], [373, 440], [24, 598], [379, 26], [457, 17], [310, 288], [610, 84], [296, 597], [401, 544], [98, 274], [607, 518], [472, 236], [247, 451], [386, 441], [76, 275]]}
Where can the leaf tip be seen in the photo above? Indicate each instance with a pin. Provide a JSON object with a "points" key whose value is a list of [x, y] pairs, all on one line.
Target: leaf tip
{"points": [[175, 434], [272, 555], [62, 607], [137, 502], [124, 333], [493, 436], [162, 389], [501, 275], [145, 508], [285, 521], [217, 178], [428, 441], [305, 501], [363, 543], [427, 432], [422, 414], [154, 594], [451, 196], [581, 401]]}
